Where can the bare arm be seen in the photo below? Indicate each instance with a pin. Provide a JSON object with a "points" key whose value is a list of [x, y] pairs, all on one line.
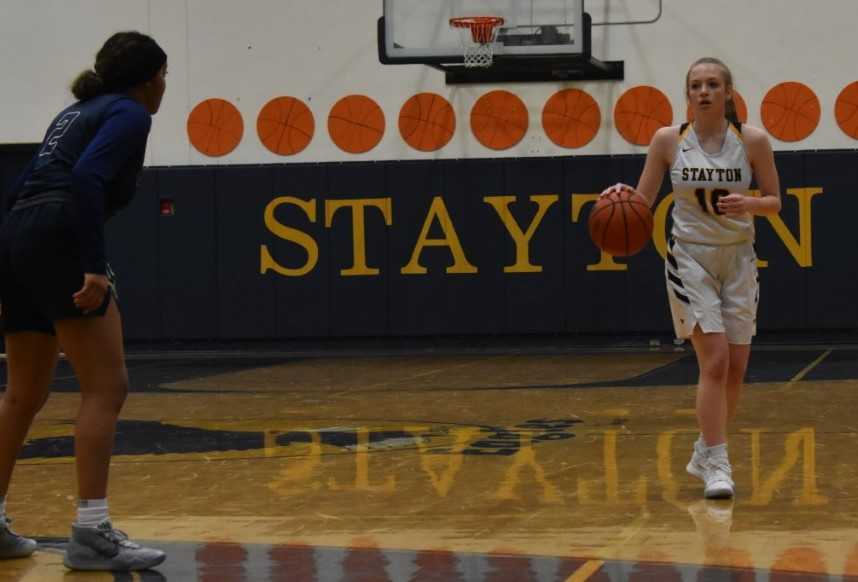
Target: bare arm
{"points": [[762, 161], [658, 160]]}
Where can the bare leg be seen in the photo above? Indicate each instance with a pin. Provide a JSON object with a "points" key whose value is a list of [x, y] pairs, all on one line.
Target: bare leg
{"points": [[31, 358], [94, 347], [713, 361], [739, 355]]}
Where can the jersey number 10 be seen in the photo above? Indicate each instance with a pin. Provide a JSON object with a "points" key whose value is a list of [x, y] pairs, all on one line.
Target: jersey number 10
{"points": [[708, 199]]}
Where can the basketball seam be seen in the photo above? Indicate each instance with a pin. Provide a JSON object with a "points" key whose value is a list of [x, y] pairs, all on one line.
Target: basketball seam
{"points": [[607, 223], [632, 203], [625, 226]]}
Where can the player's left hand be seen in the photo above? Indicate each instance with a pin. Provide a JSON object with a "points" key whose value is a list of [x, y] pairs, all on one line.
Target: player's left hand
{"points": [[734, 204]]}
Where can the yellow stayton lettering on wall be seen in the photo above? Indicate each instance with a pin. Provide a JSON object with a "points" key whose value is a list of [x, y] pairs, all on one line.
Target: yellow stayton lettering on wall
{"points": [[438, 211], [266, 261], [800, 248], [522, 239], [358, 206]]}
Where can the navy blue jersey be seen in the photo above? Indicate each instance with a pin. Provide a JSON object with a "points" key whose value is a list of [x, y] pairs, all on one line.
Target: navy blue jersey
{"points": [[93, 150]]}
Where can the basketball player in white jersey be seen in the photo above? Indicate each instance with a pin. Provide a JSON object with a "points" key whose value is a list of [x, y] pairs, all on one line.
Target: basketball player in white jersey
{"points": [[711, 270]]}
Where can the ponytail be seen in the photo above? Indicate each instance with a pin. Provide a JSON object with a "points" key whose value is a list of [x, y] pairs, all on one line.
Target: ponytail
{"points": [[87, 85], [730, 111]]}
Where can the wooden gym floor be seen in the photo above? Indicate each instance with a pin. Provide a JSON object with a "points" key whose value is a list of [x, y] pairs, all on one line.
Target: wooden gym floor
{"points": [[462, 465]]}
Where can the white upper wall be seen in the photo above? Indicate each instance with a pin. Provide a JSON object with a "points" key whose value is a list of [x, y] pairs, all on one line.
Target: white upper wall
{"points": [[321, 50]]}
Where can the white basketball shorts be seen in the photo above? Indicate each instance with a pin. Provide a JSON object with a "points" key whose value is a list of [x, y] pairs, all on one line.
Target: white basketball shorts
{"points": [[715, 287]]}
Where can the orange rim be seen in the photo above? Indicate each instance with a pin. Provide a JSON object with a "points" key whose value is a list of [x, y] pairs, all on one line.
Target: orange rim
{"points": [[481, 27]]}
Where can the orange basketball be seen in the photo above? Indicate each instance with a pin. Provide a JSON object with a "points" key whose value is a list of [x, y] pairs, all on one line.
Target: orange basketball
{"points": [[640, 112], [285, 125], [215, 127], [741, 109], [356, 124], [427, 122], [499, 120], [620, 224], [571, 118], [846, 110], [790, 111]]}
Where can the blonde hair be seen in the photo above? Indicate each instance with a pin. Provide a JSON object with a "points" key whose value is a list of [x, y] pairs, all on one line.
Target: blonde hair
{"points": [[730, 106]]}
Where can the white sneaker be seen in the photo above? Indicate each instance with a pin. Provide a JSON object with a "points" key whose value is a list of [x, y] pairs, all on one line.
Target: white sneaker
{"points": [[718, 478], [696, 465]]}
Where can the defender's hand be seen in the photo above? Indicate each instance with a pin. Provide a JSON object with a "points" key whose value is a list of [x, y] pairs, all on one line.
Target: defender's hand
{"points": [[91, 295]]}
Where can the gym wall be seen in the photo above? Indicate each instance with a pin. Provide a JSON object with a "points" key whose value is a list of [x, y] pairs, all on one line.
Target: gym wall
{"points": [[320, 242]]}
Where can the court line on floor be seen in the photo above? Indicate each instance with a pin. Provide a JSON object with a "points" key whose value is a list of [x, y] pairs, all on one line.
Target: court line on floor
{"points": [[804, 371], [586, 571], [608, 552]]}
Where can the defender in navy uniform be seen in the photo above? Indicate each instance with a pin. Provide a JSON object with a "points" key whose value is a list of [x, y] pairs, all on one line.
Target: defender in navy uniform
{"points": [[711, 271], [56, 287]]}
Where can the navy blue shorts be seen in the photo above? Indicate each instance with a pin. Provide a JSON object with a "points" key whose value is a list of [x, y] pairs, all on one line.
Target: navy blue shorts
{"points": [[41, 268]]}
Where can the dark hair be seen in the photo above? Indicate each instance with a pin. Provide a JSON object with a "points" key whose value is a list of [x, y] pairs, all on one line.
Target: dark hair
{"points": [[126, 59], [730, 107]]}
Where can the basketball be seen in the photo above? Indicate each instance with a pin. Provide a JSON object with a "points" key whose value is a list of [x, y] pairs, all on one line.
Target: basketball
{"points": [[285, 126], [356, 124], [790, 111], [215, 127], [571, 118], [427, 122], [499, 120], [620, 224], [640, 112]]}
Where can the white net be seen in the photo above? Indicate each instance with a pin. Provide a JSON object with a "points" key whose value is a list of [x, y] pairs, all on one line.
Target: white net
{"points": [[479, 54], [477, 35]]}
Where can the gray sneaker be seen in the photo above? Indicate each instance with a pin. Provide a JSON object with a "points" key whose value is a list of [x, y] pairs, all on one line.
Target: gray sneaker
{"points": [[13, 545], [105, 548]]}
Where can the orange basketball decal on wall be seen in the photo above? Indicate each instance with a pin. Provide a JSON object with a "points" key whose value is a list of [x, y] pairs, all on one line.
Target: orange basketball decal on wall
{"points": [[215, 127], [499, 120], [790, 111], [427, 122], [640, 112], [356, 124], [571, 118], [285, 125], [741, 108], [846, 110]]}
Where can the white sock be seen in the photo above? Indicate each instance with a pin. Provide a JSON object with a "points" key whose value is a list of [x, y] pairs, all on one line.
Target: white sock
{"points": [[2, 509], [717, 450], [91, 512]]}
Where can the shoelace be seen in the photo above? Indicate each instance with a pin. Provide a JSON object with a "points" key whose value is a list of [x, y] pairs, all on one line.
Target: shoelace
{"points": [[118, 537], [721, 466]]}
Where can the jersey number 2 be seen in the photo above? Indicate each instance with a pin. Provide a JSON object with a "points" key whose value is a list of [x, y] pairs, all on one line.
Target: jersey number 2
{"points": [[708, 199], [57, 132]]}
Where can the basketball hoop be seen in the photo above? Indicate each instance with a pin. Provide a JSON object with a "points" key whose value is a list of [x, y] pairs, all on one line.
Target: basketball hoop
{"points": [[477, 34]]}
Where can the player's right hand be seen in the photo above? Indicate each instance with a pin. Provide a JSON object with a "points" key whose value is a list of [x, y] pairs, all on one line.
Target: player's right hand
{"points": [[617, 188], [91, 295]]}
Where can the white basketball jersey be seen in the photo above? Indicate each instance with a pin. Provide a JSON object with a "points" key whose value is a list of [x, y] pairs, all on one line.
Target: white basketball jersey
{"points": [[699, 179]]}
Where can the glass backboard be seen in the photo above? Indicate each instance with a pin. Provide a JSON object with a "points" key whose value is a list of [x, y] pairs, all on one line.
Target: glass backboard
{"points": [[419, 30]]}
